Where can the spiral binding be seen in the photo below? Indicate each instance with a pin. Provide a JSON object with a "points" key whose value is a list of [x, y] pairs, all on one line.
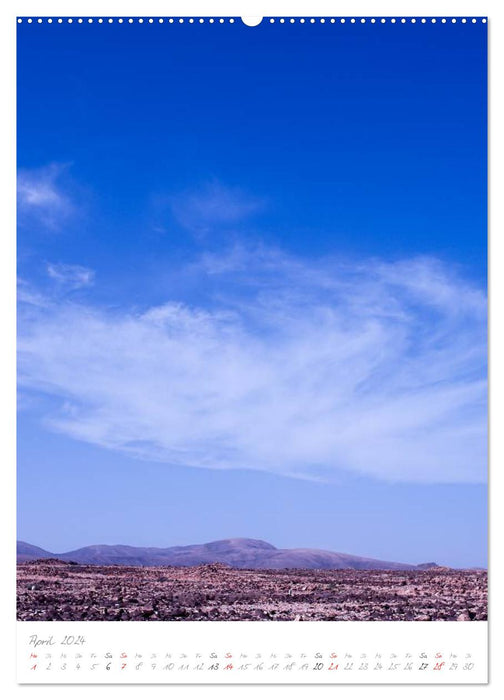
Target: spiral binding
{"points": [[265, 20]]}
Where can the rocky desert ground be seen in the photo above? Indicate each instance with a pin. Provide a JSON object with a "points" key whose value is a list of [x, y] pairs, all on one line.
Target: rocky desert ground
{"points": [[57, 590]]}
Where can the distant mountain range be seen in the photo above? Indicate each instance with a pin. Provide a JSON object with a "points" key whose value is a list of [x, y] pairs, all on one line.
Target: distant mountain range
{"points": [[240, 553]]}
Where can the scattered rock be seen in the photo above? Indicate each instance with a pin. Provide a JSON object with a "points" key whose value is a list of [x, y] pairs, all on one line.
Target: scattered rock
{"points": [[464, 616], [55, 590]]}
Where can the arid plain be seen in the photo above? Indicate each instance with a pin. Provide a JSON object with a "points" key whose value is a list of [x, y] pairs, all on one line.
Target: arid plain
{"points": [[52, 589]]}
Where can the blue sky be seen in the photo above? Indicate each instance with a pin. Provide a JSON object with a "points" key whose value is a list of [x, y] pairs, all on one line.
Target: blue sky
{"points": [[252, 286]]}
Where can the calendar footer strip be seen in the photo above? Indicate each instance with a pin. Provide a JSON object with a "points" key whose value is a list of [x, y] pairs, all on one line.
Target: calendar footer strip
{"points": [[252, 652]]}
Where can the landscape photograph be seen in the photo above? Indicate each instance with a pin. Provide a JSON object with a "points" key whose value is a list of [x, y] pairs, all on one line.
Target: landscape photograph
{"points": [[252, 321]]}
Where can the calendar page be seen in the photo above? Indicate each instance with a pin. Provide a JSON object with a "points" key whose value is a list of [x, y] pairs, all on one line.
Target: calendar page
{"points": [[252, 349]]}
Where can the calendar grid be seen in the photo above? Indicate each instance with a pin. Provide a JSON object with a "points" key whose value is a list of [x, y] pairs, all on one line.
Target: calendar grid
{"points": [[373, 652]]}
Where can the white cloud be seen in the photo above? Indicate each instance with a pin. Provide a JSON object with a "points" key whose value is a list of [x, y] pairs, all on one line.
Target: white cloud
{"points": [[296, 368], [41, 197], [213, 205], [27, 295], [70, 276]]}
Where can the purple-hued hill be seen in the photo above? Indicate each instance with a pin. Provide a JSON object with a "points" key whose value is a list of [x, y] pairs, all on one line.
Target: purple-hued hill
{"points": [[240, 553]]}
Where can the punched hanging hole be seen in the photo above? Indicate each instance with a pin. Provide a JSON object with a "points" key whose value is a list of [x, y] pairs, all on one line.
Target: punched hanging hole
{"points": [[251, 21]]}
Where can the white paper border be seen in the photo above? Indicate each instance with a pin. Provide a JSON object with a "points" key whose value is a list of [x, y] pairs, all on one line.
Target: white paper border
{"points": [[7, 279]]}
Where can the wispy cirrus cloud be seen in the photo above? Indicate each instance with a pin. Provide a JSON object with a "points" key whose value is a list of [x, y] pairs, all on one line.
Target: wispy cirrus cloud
{"points": [[293, 367], [26, 294], [70, 276], [41, 196], [213, 205]]}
